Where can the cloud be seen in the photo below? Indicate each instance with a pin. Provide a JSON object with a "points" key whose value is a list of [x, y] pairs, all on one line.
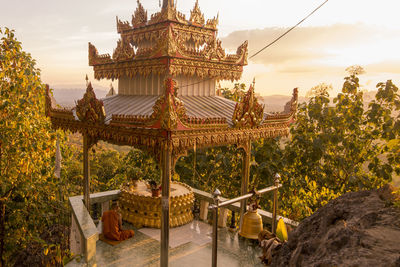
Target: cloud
{"points": [[311, 55], [384, 66], [307, 45]]}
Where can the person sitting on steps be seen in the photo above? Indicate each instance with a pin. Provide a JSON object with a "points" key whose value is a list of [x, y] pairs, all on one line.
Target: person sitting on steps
{"points": [[112, 224]]}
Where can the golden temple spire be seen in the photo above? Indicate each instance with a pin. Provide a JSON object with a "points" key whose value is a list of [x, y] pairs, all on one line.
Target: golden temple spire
{"points": [[87, 80], [195, 14], [168, 3]]}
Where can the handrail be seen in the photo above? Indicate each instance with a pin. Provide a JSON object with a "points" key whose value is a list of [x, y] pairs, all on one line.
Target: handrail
{"points": [[217, 205], [247, 196], [265, 215], [84, 221]]}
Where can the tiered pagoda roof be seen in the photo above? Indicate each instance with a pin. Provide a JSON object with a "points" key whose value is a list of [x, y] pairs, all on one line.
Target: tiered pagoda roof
{"points": [[168, 43]]}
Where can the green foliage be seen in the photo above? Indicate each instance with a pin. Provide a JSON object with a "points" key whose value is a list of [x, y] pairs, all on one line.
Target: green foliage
{"points": [[234, 94], [333, 148], [28, 188], [219, 167], [339, 147]]}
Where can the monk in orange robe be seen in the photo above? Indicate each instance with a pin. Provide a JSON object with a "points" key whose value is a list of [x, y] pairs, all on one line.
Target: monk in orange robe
{"points": [[112, 225]]}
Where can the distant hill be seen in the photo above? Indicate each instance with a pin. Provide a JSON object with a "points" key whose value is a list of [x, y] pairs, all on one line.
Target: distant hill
{"points": [[276, 103], [67, 97], [273, 103]]}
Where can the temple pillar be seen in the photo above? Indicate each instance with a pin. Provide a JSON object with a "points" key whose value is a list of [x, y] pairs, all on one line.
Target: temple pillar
{"points": [[245, 178], [86, 172], [166, 167]]}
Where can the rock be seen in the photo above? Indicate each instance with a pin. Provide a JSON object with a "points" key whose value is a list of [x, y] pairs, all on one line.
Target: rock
{"points": [[356, 229]]}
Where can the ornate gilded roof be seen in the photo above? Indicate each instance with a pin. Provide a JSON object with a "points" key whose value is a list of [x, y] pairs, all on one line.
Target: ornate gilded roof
{"points": [[168, 43], [143, 120]]}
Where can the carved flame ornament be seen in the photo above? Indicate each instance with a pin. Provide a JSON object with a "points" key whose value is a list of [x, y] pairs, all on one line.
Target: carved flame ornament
{"points": [[191, 47], [196, 16], [53, 111], [122, 25], [140, 16], [124, 51], [248, 112], [291, 106], [168, 108], [89, 108]]}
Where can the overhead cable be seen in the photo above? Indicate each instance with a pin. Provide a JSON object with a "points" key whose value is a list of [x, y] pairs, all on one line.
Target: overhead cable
{"points": [[271, 43]]}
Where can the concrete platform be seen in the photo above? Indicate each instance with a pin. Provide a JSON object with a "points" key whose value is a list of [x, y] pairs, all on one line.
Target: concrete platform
{"points": [[190, 245]]}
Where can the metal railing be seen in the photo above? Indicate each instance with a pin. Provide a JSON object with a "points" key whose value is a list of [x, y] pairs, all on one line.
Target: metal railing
{"points": [[217, 204]]}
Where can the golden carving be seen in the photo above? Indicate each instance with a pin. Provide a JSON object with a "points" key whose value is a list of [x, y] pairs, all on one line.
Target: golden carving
{"points": [[196, 16], [169, 107], [89, 109], [124, 51], [122, 25], [214, 50], [139, 18], [174, 41], [242, 54], [51, 109], [95, 58], [144, 210], [248, 112], [291, 106], [289, 112], [212, 23]]}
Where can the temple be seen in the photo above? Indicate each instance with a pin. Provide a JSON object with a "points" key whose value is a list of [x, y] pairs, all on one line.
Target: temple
{"points": [[168, 45], [167, 68]]}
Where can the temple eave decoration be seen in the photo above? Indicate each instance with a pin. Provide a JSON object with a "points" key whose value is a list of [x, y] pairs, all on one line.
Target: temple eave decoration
{"points": [[89, 109], [139, 18], [248, 112], [169, 114], [52, 110], [289, 113], [174, 39]]}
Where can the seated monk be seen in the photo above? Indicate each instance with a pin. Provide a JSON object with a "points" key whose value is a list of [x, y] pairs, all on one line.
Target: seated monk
{"points": [[112, 225]]}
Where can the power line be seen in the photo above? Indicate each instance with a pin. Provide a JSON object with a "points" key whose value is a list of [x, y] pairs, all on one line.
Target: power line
{"points": [[277, 39], [271, 43]]}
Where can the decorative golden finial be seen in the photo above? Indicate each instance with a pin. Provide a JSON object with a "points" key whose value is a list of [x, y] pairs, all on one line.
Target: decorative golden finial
{"points": [[248, 112], [254, 82], [112, 91], [140, 15], [195, 14], [89, 108], [87, 80]]}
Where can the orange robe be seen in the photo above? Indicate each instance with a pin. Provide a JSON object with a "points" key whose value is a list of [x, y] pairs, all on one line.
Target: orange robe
{"points": [[111, 229]]}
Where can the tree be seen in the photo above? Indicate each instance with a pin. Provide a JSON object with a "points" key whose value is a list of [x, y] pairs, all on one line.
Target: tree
{"points": [[339, 148], [28, 192]]}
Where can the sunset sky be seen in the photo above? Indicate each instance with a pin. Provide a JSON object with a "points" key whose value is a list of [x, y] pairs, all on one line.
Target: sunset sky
{"points": [[340, 34]]}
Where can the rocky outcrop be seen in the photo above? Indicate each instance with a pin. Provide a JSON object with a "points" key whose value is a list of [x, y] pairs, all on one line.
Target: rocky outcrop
{"points": [[356, 229]]}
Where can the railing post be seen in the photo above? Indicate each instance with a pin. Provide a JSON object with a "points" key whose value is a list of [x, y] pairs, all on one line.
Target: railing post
{"points": [[216, 196], [233, 222], [203, 210], [222, 217], [86, 172], [275, 203]]}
